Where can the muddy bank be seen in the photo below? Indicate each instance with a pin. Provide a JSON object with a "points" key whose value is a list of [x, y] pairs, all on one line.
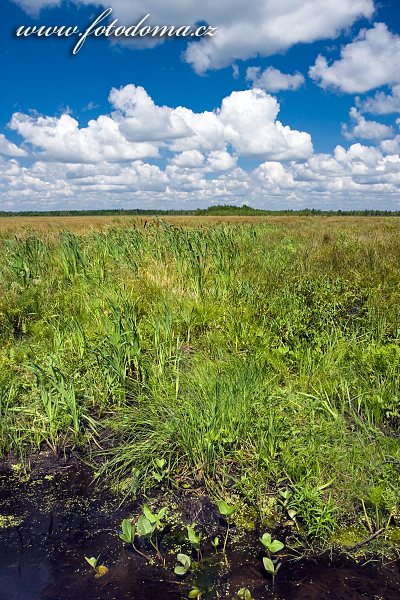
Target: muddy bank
{"points": [[49, 523]]}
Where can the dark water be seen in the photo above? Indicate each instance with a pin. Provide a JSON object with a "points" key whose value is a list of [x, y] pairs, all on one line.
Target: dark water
{"points": [[58, 518]]}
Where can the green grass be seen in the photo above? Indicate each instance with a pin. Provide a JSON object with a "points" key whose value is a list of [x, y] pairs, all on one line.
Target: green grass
{"points": [[253, 358]]}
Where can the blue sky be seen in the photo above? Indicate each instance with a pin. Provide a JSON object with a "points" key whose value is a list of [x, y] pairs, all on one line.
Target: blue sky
{"points": [[290, 104]]}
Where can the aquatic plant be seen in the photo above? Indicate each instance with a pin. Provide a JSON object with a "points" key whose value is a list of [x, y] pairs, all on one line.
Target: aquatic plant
{"points": [[215, 543], [161, 470], [195, 540], [272, 546], [184, 565], [128, 535], [244, 594], [194, 594], [271, 565], [226, 511], [148, 524], [100, 570]]}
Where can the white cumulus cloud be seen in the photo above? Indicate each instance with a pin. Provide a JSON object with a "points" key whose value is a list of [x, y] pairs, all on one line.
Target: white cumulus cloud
{"points": [[61, 138], [250, 126], [221, 160], [140, 119], [189, 159], [7, 148], [138, 128], [370, 61], [381, 103], [273, 80], [357, 177], [365, 129]]}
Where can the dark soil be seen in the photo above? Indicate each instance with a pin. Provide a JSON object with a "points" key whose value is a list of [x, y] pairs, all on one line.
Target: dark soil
{"points": [[58, 517]]}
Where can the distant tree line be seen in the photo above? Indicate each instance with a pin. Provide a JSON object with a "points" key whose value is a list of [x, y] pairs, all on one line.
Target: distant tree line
{"points": [[218, 210]]}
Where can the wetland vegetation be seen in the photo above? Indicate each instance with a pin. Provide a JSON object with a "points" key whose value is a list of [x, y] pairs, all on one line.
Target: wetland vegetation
{"points": [[254, 365]]}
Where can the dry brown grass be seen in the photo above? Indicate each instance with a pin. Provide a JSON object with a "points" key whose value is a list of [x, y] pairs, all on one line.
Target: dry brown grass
{"points": [[88, 223], [299, 225]]}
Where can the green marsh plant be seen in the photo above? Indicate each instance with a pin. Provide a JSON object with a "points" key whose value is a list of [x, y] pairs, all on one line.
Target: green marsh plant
{"points": [[226, 511], [184, 564], [128, 535], [195, 540], [244, 594], [271, 564], [194, 594], [149, 524]]}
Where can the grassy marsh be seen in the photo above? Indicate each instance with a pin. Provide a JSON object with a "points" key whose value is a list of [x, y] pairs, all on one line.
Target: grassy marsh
{"points": [[256, 358]]}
